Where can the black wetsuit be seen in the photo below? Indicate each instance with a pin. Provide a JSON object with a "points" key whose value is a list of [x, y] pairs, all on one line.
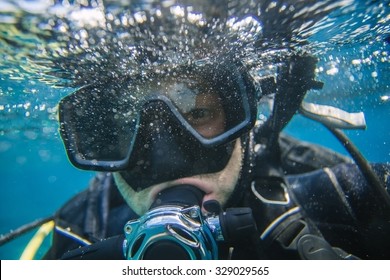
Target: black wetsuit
{"points": [[322, 208]]}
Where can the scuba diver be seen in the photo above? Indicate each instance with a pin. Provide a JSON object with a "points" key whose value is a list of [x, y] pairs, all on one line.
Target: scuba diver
{"points": [[187, 168], [187, 172]]}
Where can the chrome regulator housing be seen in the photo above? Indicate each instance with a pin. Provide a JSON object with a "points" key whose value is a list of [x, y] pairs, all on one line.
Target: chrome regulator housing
{"points": [[172, 232]]}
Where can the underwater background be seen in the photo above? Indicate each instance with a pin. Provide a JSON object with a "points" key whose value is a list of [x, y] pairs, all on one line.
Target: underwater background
{"points": [[37, 178]]}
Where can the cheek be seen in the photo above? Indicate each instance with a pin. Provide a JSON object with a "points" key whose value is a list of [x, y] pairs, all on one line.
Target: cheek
{"points": [[224, 182]]}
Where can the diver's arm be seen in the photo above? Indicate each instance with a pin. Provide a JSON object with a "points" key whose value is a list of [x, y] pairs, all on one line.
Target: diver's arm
{"points": [[68, 230]]}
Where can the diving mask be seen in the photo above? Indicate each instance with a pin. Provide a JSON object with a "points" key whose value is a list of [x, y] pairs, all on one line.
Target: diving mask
{"points": [[104, 127]]}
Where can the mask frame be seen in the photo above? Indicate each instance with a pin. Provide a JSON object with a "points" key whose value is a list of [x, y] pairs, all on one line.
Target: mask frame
{"points": [[75, 112]]}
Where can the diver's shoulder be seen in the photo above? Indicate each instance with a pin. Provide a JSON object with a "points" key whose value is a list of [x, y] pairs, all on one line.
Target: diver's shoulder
{"points": [[100, 187], [300, 156]]}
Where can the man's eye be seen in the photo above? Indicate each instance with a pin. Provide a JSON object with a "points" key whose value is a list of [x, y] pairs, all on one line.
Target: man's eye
{"points": [[197, 116]]}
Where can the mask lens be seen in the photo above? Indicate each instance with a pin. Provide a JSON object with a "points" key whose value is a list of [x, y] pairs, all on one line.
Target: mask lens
{"points": [[98, 127], [212, 104], [201, 106], [207, 116]]}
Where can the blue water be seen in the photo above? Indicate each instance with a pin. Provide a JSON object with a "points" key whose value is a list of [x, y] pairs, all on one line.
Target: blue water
{"points": [[37, 177]]}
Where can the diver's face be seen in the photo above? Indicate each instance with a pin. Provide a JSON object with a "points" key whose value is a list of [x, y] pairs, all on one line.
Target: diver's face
{"points": [[209, 119]]}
